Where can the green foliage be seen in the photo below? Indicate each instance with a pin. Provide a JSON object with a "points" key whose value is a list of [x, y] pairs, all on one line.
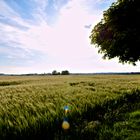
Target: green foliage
{"points": [[135, 114], [118, 33], [8, 83], [65, 72], [55, 72], [34, 109]]}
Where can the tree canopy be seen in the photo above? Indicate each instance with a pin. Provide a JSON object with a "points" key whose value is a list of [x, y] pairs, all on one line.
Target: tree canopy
{"points": [[54, 72], [118, 33], [65, 72]]}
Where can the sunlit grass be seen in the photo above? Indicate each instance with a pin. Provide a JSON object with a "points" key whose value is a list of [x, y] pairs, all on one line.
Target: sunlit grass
{"points": [[33, 106]]}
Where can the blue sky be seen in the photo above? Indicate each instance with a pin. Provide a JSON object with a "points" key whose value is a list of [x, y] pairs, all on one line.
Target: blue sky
{"points": [[38, 36]]}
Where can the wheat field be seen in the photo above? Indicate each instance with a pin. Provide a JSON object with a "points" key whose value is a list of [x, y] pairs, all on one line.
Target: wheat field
{"points": [[99, 107]]}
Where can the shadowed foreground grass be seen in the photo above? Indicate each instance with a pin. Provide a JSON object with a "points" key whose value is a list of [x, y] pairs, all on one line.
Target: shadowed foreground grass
{"points": [[100, 107]]}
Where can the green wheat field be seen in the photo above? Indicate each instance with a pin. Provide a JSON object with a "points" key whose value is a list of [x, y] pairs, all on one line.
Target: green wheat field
{"points": [[100, 107]]}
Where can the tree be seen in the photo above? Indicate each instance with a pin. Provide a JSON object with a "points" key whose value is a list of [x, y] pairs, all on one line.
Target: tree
{"points": [[54, 72], [65, 72], [118, 33]]}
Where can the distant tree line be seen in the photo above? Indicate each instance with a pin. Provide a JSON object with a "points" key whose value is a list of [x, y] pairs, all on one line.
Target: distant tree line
{"points": [[64, 72]]}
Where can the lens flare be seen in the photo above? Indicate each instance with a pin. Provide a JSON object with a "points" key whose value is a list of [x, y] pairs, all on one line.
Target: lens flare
{"points": [[65, 125], [66, 109]]}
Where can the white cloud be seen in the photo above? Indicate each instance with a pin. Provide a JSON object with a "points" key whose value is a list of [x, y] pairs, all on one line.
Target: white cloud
{"points": [[6, 10], [66, 39]]}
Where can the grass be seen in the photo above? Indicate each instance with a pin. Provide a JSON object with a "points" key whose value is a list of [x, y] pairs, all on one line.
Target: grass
{"points": [[101, 107]]}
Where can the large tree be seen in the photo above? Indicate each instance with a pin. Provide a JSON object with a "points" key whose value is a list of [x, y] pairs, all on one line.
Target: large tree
{"points": [[118, 33]]}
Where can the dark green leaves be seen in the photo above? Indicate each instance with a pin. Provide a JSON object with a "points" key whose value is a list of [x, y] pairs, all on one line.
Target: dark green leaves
{"points": [[118, 33]]}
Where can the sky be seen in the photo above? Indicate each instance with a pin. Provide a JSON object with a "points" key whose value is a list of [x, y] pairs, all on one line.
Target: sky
{"points": [[39, 36]]}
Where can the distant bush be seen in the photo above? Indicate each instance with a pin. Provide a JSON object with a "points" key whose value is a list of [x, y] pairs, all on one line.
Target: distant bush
{"points": [[55, 72], [7, 83], [65, 72]]}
